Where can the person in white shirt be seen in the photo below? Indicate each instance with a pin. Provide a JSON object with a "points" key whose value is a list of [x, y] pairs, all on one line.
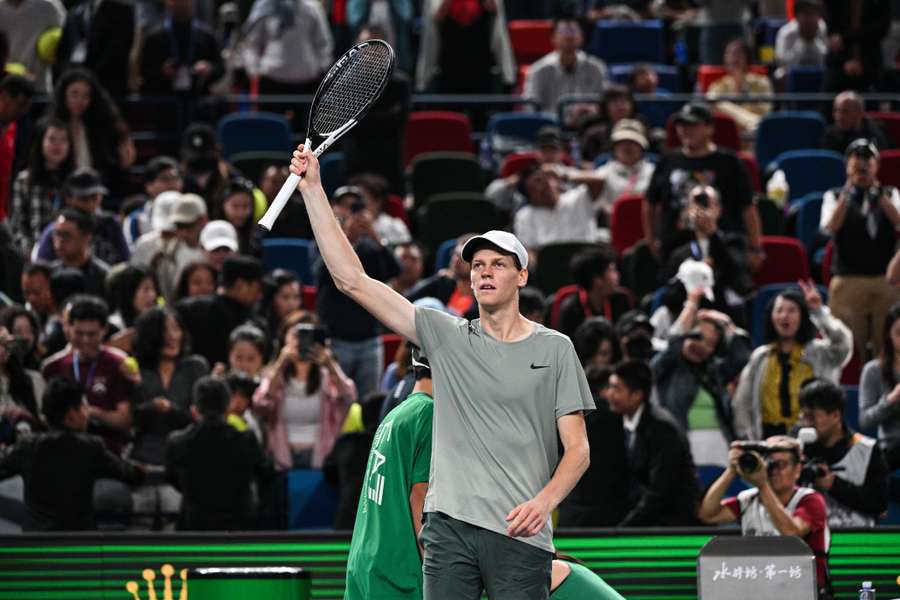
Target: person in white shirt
{"points": [[628, 171], [372, 190], [803, 41], [567, 71], [551, 216]]}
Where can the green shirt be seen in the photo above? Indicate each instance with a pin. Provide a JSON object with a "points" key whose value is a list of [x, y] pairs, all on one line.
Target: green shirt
{"points": [[584, 584], [702, 414], [384, 561]]}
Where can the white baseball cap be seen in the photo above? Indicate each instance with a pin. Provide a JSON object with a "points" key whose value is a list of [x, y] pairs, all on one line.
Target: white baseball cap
{"points": [[501, 239], [696, 274], [219, 234], [188, 209], [162, 209]]}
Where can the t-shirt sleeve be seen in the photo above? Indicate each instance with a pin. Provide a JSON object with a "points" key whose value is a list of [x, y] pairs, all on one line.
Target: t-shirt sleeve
{"points": [[811, 509], [433, 328], [422, 459], [733, 505], [572, 391]]}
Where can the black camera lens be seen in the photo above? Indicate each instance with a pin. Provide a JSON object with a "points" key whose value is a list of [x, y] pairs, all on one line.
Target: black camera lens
{"points": [[749, 462]]}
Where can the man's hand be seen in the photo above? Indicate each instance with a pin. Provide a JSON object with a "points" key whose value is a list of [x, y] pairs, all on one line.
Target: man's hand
{"points": [[853, 68], [824, 483], [717, 316], [306, 165], [528, 518], [162, 404]]}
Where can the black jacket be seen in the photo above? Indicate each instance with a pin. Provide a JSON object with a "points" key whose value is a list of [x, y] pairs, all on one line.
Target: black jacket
{"points": [[213, 465], [210, 320], [59, 469], [193, 44], [664, 484]]}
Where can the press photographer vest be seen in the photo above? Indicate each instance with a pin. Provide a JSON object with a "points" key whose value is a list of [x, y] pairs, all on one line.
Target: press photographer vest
{"points": [[755, 519], [855, 251], [855, 464]]}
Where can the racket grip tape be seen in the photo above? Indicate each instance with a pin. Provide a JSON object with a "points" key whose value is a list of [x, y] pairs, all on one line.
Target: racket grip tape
{"points": [[268, 219]]}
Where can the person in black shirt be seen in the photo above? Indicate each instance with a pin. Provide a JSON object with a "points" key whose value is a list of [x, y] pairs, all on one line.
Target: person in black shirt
{"points": [[851, 123], [73, 232], [597, 276], [60, 467], [355, 334], [213, 465], [210, 319], [699, 161]]}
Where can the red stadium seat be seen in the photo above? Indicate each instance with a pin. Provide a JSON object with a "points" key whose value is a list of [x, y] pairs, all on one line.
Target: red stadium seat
{"points": [[437, 131], [390, 342], [394, 207], [785, 261], [753, 169], [709, 74], [530, 39], [890, 123], [560, 295], [309, 297], [626, 222], [852, 371], [889, 170], [515, 162], [725, 132]]}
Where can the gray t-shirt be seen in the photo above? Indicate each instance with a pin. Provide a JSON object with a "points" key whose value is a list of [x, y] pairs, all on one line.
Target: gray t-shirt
{"points": [[495, 411]]}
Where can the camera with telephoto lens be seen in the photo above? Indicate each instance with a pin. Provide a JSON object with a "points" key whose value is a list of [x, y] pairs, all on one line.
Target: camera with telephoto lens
{"points": [[752, 457]]}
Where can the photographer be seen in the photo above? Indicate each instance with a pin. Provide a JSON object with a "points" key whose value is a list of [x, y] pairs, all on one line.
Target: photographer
{"points": [[863, 219], [847, 467], [775, 505]]}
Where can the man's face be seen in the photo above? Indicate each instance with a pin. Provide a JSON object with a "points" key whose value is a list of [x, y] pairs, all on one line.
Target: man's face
{"points": [[410, 259], [189, 233], [694, 136], [825, 423], [69, 242], [627, 152], [495, 278], [697, 350], [13, 108], [847, 114], [88, 204], [460, 268], [36, 291], [542, 189], [807, 22], [608, 280], [217, 256], [567, 36], [247, 293], [86, 338], [622, 399], [783, 470], [168, 180], [862, 171]]}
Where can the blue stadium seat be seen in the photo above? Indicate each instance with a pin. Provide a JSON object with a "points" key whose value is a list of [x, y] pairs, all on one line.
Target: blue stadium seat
{"points": [[291, 254], [254, 132], [444, 254], [809, 209], [758, 313], [331, 166], [810, 171], [514, 132], [788, 130], [709, 473], [669, 78], [620, 42], [851, 411], [805, 79]]}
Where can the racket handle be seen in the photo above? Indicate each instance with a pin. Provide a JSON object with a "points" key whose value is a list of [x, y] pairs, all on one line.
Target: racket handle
{"points": [[268, 219]]}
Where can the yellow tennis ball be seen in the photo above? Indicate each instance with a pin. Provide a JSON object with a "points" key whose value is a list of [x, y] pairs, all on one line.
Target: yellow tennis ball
{"points": [[47, 44], [15, 68], [132, 364]]}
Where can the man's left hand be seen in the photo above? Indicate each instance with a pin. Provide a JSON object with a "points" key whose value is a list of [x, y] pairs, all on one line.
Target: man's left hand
{"points": [[824, 483], [527, 519]]}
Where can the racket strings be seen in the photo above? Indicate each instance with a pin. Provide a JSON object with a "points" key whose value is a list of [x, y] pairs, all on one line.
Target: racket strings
{"points": [[353, 88]]}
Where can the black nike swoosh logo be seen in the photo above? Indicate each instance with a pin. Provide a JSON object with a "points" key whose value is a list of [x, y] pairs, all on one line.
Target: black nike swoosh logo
{"points": [[534, 366]]}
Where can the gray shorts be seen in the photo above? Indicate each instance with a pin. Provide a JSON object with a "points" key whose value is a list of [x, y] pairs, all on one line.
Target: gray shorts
{"points": [[462, 560]]}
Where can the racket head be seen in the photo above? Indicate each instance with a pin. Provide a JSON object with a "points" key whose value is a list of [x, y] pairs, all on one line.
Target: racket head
{"points": [[350, 88]]}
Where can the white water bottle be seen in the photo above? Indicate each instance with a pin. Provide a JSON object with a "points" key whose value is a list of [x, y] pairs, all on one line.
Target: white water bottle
{"points": [[866, 592], [777, 189]]}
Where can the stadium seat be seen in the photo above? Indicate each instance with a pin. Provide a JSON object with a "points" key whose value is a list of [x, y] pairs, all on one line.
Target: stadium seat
{"points": [[291, 254], [437, 131], [448, 216], [788, 130], [251, 164], [254, 132], [725, 132], [556, 303], [890, 123], [626, 222], [530, 39], [753, 169], [805, 79], [389, 343], [771, 216], [444, 254], [514, 163], [808, 210], [810, 171], [622, 42], [443, 172], [709, 473], [761, 301], [309, 297], [514, 132], [668, 75], [851, 411], [709, 74], [553, 270], [785, 261], [889, 169], [331, 167]]}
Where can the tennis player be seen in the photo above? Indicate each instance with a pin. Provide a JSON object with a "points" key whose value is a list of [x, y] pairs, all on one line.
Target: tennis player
{"points": [[506, 388]]}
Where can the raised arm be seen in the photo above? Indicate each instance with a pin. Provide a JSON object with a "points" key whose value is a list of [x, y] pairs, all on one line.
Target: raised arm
{"points": [[393, 310]]}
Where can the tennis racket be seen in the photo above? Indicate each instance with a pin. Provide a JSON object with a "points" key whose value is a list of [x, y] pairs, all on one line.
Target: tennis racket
{"points": [[346, 94]]}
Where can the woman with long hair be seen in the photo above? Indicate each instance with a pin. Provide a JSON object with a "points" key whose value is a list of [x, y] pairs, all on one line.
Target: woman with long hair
{"points": [[132, 291], [766, 401], [100, 136], [36, 189], [303, 398], [25, 328], [198, 278], [879, 391], [282, 295]]}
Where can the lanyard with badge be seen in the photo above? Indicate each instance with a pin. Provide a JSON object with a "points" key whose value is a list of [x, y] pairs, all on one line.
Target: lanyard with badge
{"points": [[79, 52], [90, 375], [182, 81]]}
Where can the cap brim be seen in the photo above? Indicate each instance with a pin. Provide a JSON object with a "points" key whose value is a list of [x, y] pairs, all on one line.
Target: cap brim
{"points": [[630, 137], [216, 243], [90, 191]]}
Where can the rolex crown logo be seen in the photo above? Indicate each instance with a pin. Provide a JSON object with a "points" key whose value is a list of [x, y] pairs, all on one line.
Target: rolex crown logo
{"points": [[149, 576]]}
